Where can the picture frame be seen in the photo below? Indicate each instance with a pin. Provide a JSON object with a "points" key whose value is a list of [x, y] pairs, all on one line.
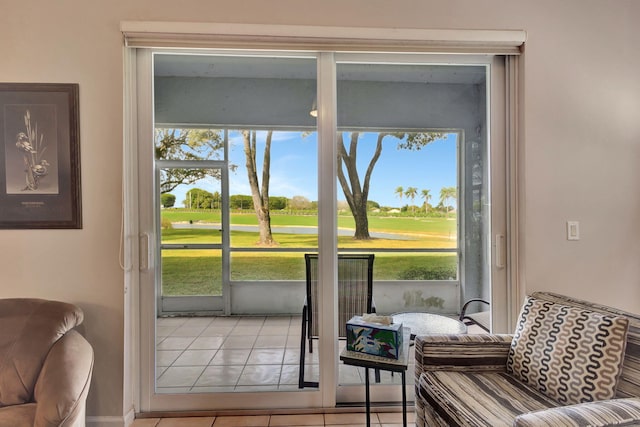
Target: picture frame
{"points": [[40, 156]]}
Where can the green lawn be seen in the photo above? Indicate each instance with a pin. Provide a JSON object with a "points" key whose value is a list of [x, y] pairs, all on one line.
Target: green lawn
{"points": [[197, 272], [189, 272], [398, 224]]}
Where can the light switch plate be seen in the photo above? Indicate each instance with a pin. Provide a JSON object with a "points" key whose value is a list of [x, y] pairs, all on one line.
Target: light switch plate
{"points": [[573, 230]]}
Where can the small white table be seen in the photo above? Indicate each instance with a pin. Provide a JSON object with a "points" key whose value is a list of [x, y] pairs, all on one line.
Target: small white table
{"points": [[383, 363], [428, 323]]}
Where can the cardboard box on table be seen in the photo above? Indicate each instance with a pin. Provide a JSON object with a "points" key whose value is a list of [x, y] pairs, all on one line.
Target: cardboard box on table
{"points": [[374, 338]]}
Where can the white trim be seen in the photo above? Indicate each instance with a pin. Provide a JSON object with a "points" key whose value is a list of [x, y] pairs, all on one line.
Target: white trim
{"points": [[327, 227], [192, 34], [129, 417], [515, 67], [111, 421], [143, 217], [499, 174], [131, 389]]}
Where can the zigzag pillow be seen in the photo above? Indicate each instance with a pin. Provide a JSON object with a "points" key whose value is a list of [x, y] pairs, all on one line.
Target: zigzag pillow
{"points": [[569, 354]]}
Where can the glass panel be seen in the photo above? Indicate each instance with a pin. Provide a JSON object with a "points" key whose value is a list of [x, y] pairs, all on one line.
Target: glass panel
{"points": [[191, 211], [416, 266], [187, 272], [398, 160], [475, 190], [404, 143], [419, 215], [292, 189], [257, 266], [188, 144], [259, 107]]}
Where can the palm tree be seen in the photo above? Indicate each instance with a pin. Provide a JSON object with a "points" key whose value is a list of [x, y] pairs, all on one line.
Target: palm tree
{"points": [[426, 196], [399, 192], [411, 192], [447, 193]]}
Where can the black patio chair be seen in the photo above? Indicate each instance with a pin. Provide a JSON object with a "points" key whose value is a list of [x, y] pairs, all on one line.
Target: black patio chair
{"points": [[481, 318], [355, 297]]}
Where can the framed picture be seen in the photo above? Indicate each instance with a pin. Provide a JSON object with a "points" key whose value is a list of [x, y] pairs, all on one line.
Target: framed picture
{"points": [[39, 156]]}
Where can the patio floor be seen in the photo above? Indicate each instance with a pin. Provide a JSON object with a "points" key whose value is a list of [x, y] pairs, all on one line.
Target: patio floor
{"points": [[236, 354]]}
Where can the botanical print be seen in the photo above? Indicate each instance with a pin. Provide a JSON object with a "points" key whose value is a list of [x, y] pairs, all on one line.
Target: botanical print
{"points": [[31, 149]]}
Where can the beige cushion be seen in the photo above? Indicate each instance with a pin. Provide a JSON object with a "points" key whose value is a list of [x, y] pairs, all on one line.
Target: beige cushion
{"points": [[29, 328], [569, 354], [18, 415]]}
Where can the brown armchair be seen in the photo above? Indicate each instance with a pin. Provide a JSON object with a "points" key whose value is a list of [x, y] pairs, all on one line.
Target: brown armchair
{"points": [[45, 365]]}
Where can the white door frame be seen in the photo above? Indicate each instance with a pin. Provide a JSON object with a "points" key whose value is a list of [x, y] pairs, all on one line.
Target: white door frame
{"points": [[139, 345]]}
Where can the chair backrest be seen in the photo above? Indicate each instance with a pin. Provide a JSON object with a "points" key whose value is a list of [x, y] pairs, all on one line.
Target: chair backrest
{"points": [[355, 288]]}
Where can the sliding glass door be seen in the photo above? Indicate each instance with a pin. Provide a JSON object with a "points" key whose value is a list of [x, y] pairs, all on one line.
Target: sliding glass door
{"points": [[248, 160], [413, 152]]}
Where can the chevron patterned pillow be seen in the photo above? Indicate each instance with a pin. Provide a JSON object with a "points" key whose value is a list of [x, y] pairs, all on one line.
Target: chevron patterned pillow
{"points": [[569, 354]]}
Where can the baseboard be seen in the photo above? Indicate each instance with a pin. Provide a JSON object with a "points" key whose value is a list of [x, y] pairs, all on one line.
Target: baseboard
{"points": [[124, 421]]}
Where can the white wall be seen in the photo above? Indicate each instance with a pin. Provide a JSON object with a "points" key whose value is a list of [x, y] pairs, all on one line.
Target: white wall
{"points": [[582, 140]]}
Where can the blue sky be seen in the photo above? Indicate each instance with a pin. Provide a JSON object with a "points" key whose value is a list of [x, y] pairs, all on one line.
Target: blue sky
{"points": [[294, 168]]}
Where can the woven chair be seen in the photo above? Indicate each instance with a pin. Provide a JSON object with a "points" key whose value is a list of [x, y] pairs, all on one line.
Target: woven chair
{"points": [[355, 297]]}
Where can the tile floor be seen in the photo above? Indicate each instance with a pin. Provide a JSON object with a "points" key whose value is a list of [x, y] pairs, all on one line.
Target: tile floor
{"points": [[235, 354], [381, 419], [202, 354]]}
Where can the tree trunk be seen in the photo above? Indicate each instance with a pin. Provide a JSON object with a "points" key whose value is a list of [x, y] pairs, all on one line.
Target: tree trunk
{"points": [[264, 225], [259, 196], [362, 222], [356, 194]]}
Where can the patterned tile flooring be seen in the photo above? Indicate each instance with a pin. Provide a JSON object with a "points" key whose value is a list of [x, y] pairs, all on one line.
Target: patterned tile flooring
{"points": [[252, 353]]}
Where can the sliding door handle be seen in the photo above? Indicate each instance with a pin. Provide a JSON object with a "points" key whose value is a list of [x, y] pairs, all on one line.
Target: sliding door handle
{"points": [[500, 251], [146, 252]]}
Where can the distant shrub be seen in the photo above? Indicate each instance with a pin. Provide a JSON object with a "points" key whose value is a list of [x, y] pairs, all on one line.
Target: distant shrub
{"points": [[167, 200], [429, 273], [165, 224]]}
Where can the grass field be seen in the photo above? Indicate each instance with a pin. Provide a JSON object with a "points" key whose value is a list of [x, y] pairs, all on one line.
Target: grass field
{"points": [[412, 225], [197, 272]]}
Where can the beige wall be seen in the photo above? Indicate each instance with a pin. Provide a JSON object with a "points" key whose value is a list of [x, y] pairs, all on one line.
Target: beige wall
{"points": [[581, 147]]}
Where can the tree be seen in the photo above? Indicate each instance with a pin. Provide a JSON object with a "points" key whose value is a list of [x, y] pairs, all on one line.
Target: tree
{"points": [[372, 204], [278, 203], [300, 203], [357, 193], [240, 201], [167, 200], [187, 144], [259, 191], [399, 192], [197, 198], [447, 193], [411, 192], [426, 196], [217, 200]]}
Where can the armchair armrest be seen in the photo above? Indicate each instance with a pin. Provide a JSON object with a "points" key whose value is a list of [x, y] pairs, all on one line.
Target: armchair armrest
{"points": [[482, 352], [62, 387], [615, 412]]}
